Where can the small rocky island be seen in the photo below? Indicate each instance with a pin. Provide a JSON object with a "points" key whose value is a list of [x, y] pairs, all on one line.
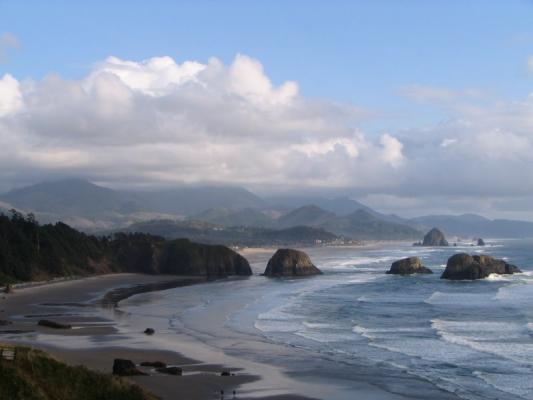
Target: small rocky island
{"points": [[463, 266], [434, 237], [480, 242], [408, 266], [290, 262]]}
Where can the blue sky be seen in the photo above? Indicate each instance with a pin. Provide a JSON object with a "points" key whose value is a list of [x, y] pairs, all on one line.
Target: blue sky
{"points": [[412, 106], [360, 52]]}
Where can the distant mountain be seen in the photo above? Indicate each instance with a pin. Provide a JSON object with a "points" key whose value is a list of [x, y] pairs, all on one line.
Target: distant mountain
{"points": [[190, 200], [309, 215], [204, 232], [69, 197], [362, 224], [338, 205], [226, 217], [475, 225]]}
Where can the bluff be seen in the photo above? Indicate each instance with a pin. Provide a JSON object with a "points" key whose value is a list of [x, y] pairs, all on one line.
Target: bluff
{"points": [[463, 266], [290, 262], [29, 251]]}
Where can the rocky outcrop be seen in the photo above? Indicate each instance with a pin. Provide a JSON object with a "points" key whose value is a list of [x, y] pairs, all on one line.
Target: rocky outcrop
{"points": [[480, 242], [408, 266], [466, 267], [53, 324], [149, 331], [435, 238], [170, 370], [150, 255], [154, 364], [125, 368], [290, 262]]}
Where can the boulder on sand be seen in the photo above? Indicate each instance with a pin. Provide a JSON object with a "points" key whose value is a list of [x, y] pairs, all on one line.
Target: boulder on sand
{"points": [[435, 237], [290, 262], [123, 367], [53, 324], [170, 370], [408, 266], [463, 266]]}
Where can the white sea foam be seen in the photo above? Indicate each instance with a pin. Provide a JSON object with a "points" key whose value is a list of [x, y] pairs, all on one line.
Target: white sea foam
{"points": [[515, 383]]}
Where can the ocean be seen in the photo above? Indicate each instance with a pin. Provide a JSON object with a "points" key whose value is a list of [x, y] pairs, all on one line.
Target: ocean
{"points": [[414, 336]]}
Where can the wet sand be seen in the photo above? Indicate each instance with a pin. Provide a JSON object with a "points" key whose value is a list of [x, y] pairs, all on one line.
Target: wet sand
{"points": [[88, 305]]}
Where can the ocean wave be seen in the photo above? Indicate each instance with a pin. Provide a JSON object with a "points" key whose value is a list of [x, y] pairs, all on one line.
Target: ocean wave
{"points": [[514, 383]]}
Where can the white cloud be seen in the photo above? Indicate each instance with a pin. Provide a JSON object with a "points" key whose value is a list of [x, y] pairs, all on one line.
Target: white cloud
{"points": [[8, 41], [530, 63], [10, 95], [433, 94], [162, 122], [158, 121], [392, 150]]}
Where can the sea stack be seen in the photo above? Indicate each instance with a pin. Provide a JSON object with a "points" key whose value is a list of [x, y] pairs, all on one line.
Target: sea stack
{"points": [[290, 262], [463, 266], [408, 266], [480, 242], [435, 237]]}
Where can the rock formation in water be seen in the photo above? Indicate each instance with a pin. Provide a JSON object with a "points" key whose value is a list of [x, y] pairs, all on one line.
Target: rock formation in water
{"points": [[435, 238], [408, 266], [480, 242], [289, 262], [463, 266]]}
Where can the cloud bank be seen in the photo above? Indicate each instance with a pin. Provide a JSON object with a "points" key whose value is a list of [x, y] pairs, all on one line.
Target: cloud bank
{"points": [[160, 122]]}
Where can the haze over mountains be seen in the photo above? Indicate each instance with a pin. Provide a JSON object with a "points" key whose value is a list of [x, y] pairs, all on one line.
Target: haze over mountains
{"points": [[212, 213]]}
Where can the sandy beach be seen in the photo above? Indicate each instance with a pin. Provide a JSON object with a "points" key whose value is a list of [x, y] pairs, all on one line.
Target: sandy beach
{"points": [[86, 305]]}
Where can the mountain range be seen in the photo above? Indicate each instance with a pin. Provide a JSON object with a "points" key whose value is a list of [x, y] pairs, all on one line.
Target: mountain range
{"points": [[210, 213]]}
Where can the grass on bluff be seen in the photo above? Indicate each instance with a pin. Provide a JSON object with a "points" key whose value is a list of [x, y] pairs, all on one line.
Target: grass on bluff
{"points": [[34, 375]]}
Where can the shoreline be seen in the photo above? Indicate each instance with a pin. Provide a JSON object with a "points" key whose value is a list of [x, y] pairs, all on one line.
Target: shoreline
{"points": [[88, 304]]}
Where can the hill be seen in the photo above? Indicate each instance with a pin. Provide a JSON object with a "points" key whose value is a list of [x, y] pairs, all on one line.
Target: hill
{"points": [[475, 225], [229, 217], [29, 251], [234, 236], [362, 224], [309, 215], [338, 205]]}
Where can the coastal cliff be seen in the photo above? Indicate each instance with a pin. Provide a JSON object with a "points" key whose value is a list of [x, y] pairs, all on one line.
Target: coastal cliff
{"points": [[29, 251]]}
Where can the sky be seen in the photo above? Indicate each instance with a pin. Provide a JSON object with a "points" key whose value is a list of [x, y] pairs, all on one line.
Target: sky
{"points": [[413, 107]]}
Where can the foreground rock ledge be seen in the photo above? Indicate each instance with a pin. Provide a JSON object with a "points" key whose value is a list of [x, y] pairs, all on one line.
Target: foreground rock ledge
{"points": [[408, 266], [463, 266], [290, 262]]}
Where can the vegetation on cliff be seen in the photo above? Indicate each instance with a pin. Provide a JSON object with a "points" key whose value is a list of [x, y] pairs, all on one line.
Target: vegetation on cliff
{"points": [[29, 251], [33, 375]]}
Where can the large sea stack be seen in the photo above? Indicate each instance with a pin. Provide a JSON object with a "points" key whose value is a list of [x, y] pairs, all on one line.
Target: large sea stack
{"points": [[408, 266], [435, 237], [289, 262], [463, 266]]}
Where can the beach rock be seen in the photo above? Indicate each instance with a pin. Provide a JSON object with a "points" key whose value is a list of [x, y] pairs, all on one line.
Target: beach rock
{"points": [[123, 367], [290, 262], [225, 373], [53, 324], [407, 266], [8, 288], [4, 322], [463, 266], [435, 238], [149, 331], [480, 242], [170, 370], [154, 364]]}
